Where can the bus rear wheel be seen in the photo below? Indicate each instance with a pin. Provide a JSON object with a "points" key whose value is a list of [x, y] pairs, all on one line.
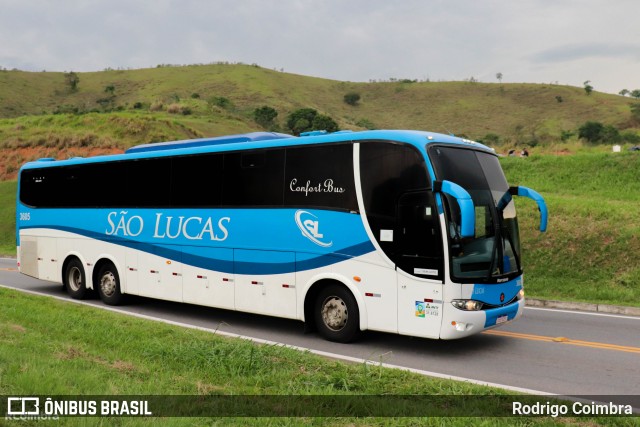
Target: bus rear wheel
{"points": [[74, 279], [108, 283], [336, 314]]}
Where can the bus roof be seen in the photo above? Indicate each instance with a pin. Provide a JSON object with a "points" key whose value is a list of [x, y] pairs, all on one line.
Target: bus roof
{"points": [[256, 140], [205, 142]]}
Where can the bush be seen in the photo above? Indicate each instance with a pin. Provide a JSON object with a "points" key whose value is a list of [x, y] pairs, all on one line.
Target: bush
{"points": [[597, 133], [220, 101], [156, 106], [300, 120], [631, 137], [490, 139], [265, 116], [308, 119], [566, 135], [178, 109], [352, 98], [322, 122], [365, 123]]}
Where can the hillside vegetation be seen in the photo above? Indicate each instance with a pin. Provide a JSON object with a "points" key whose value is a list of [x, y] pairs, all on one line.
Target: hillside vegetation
{"points": [[115, 109], [591, 251]]}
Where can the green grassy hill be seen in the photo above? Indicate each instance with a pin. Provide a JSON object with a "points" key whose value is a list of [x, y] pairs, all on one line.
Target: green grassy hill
{"points": [[591, 251], [514, 111], [41, 116]]}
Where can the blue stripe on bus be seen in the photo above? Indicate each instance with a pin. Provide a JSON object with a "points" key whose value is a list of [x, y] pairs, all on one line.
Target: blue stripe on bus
{"points": [[510, 311], [491, 293], [301, 262]]}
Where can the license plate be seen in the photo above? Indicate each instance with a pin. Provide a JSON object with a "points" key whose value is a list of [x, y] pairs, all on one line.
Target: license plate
{"points": [[502, 319]]}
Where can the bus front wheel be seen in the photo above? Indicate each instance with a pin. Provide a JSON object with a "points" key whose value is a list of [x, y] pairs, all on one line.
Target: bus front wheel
{"points": [[109, 285], [336, 314], [74, 279]]}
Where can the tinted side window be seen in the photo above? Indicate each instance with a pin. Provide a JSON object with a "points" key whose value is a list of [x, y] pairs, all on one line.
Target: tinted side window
{"points": [[388, 170], [320, 176], [197, 180], [253, 178], [37, 186], [90, 185], [148, 182]]}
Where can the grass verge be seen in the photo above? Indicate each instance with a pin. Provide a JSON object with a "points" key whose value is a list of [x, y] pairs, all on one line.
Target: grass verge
{"points": [[56, 348], [590, 251]]}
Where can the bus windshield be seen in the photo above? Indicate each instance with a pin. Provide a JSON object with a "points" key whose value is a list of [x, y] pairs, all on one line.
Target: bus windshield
{"points": [[493, 253]]}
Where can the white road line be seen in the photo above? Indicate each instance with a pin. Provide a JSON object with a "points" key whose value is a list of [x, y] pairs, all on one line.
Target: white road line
{"points": [[293, 347], [587, 313]]}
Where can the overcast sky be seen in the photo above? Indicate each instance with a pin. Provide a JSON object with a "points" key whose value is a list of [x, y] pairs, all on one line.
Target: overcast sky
{"points": [[539, 41]]}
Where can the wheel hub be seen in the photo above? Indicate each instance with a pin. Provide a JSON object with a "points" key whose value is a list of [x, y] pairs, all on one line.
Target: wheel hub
{"points": [[75, 279], [108, 284], [334, 313]]}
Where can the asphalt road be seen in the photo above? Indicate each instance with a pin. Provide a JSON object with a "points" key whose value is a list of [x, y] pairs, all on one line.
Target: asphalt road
{"points": [[550, 351]]}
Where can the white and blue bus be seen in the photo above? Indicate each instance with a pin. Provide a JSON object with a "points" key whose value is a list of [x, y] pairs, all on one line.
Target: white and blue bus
{"points": [[398, 231]]}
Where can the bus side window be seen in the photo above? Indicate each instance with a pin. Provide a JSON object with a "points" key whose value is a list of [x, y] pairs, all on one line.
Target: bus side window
{"points": [[320, 177], [253, 178], [197, 180]]}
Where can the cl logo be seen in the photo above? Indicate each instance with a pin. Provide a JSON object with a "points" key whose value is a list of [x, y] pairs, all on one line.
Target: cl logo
{"points": [[309, 226]]}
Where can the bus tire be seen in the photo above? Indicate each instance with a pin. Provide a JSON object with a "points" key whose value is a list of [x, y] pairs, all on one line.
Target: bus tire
{"points": [[108, 284], [336, 314], [74, 279]]}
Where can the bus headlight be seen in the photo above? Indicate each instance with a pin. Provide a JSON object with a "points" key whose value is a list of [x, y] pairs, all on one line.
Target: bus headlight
{"points": [[467, 304], [520, 294]]}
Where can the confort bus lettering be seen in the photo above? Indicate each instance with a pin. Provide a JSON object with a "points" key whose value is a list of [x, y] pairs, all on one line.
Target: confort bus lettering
{"points": [[168, 227]]}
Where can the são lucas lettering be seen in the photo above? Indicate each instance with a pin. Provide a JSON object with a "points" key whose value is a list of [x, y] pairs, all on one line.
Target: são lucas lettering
{"points": [[169, 227], [322, 187]]}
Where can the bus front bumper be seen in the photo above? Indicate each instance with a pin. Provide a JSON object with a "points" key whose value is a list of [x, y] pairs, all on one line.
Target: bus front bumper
{"points": [[459, 323]]}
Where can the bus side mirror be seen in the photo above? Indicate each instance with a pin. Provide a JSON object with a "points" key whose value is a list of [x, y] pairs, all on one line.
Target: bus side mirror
{"points": [[535, 196], [467, 210]]}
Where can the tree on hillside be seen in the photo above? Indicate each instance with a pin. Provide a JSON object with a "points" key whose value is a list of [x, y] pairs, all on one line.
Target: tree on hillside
{"points": [[624, 92], [597, 133], [587, 87], [72, 80], [308, 119], [265, 116], [635, 93], [300, 120], [352, 98], [322, 122], [499, 77]]}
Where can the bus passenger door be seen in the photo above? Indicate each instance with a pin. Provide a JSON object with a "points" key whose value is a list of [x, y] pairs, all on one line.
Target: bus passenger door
{"points": [[265, 282], [419, 264]]}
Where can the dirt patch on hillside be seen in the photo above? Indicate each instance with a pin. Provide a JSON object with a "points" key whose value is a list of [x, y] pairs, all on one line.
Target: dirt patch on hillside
{"points": [[11, 159]]}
